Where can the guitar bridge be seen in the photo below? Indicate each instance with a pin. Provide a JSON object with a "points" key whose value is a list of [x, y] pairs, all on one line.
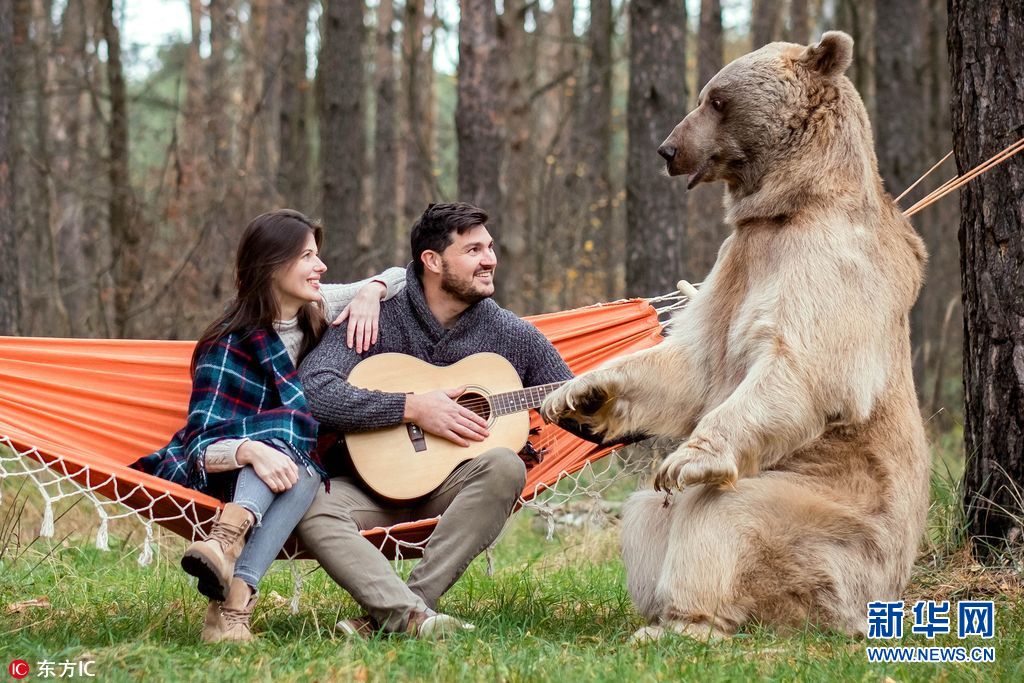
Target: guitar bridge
{"points": [[417, 437]]}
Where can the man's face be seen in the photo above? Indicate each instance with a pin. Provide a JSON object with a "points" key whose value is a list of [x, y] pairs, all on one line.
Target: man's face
{"points": [[467, 266]]}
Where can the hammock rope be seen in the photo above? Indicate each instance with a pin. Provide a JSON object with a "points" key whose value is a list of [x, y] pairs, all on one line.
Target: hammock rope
{"points": [[74, 413], [957, 181]]}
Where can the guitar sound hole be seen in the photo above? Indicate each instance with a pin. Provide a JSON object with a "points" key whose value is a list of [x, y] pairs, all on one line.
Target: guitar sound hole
{"points": [[477, 403]]}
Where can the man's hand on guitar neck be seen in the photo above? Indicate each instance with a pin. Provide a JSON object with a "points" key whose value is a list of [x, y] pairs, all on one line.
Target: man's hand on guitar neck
{"points": [[437, 413]]}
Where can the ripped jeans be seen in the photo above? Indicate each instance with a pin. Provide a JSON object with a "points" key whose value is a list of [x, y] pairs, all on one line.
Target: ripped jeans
{"points": [[276, 516]]}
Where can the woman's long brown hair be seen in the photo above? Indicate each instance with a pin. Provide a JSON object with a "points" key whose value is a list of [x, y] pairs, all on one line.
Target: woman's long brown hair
{"points": [[271, 241]]}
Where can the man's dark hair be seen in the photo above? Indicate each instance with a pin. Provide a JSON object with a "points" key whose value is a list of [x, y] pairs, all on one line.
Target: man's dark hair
{"points": [[433, 230]]}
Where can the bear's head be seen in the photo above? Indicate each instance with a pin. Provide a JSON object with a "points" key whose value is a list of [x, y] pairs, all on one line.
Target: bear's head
{"points": [[765, 108]]}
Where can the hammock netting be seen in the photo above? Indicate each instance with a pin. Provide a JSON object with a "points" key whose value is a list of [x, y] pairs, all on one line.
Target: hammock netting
{"points": [[75, 412]]}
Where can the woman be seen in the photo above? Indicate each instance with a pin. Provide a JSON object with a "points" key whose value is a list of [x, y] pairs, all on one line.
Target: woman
{"points": [[250, 438]]}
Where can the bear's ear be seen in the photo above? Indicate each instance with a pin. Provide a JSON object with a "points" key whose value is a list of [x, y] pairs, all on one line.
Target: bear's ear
{"points": [[831, 56]]}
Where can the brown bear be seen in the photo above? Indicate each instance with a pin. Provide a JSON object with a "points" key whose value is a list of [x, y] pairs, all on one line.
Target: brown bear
{"points": [[801, 484]]}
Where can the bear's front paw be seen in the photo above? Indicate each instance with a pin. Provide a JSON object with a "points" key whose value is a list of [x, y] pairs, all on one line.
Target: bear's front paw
{"points": [[693, 464], [579, 399]]}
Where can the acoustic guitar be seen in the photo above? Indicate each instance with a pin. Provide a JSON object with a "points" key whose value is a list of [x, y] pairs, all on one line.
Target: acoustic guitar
{"points": [[404, 462]]}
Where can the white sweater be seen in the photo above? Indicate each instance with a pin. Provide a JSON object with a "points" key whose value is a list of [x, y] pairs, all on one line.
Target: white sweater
{"points": [[221, 455]]}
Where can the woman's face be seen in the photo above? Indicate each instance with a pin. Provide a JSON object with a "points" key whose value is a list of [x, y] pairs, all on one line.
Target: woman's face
{"points": [[298, 282]]}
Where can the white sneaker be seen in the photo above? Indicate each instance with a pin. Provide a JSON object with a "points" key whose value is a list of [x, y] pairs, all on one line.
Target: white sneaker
{"points": [[432, 626]]}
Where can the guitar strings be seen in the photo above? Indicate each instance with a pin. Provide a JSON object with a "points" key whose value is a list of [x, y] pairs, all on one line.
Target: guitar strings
{"points": [[485, 401], [476, 405]]}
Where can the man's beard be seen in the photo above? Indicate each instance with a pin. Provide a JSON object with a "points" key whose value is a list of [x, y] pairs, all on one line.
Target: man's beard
{"points": [[463, 291]]}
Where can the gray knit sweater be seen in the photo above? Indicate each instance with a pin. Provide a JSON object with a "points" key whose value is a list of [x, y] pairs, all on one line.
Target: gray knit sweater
{"points": [[407, 326]]}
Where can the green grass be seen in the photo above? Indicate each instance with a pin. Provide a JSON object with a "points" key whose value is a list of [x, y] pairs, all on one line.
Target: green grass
{"points": [[553, 610]]}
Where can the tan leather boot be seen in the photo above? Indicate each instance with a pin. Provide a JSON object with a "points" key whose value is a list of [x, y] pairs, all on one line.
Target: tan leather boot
{"points": [[236, 612], [213, 624], [213, 561]]}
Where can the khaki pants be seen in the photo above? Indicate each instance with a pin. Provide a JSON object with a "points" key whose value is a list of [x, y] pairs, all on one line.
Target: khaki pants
{"points": [[474, 503]]}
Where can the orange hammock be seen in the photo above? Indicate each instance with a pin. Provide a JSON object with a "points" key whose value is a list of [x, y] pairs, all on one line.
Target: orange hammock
{"points": [[86, 408]]}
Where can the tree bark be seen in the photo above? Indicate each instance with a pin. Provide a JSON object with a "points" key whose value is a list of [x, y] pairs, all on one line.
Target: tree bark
{"points": [[293, 153], [706, 229], [76, 155], [986, 54], [898, 127], [593, 148], [416, 124], [598, 102], [41, 301], [479, 120], [264, 39], [222, 14], [857, 17], [191, 148], [556, 60], [517, 285], [655, 204], [943, 390], [799, 22], [342, 147], [123, 230], [764, 22], [9, 313], [385, 144]]}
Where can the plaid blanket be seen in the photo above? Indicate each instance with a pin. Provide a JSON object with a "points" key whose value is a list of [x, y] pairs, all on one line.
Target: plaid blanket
{"points": [[245, 386]]}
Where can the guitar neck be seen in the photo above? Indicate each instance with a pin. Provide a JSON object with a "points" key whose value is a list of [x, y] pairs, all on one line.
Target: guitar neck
{"points": [[521, 399]]}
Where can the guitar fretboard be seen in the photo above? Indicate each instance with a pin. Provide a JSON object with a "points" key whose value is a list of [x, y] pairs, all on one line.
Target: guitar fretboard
{"points": [[521, 399]]}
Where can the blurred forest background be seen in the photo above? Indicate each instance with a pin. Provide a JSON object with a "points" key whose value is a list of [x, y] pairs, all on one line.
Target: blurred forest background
{"points": [[133, 177]]}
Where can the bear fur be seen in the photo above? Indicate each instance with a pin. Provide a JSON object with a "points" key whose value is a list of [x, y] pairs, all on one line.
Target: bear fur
{"points": [[801, 484]]}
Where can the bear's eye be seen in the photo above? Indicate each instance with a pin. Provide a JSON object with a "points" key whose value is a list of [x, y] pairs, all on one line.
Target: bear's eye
{"points": [[717, 104]]}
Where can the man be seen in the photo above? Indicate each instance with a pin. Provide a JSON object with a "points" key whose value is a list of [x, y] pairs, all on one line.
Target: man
{"points": [[444, 314]]}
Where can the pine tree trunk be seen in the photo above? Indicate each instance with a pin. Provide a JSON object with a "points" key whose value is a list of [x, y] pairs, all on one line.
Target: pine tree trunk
{"points": [[655, 204], [219, 130], [416, 125], [559, 226], [41, 303], [191, 148], [124, 231], [293, 155], [943, 392], [899, 128], [342, 149], [265, 38], [764, 22], [857, 17], [8, 239], [598, 105], [517, 284], [385, 144], [426, 128], [590, 183], [478, 114], [75, 154], [706, 228], [986, 54], [799, 22]]}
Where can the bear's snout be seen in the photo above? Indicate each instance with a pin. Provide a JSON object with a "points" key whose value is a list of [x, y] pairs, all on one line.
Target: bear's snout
{"points": [[668, 152]]}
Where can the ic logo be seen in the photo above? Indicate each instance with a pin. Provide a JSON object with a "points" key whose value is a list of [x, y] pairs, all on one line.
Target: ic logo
{"points": [[18, 668]]}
